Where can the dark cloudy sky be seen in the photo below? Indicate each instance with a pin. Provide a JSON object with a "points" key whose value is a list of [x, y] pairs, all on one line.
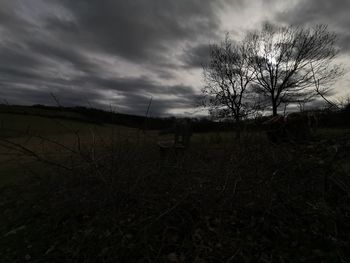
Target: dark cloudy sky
{"points": [[120, 53]]}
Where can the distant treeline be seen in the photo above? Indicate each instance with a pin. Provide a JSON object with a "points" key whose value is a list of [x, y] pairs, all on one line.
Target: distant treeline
{"points": [[327, 118], [100, 117], [85, 114]]}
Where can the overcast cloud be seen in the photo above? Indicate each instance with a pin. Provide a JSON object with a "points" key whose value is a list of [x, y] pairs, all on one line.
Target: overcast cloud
{"points": [[118, 52]]}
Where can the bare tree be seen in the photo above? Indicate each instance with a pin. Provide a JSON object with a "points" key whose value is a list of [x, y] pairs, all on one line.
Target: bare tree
{"points": [[323, 92], [287, 60], [343, 102], [228, 77]]}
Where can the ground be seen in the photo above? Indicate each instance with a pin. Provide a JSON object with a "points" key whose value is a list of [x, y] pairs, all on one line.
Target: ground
{"points": [[80, 192]]}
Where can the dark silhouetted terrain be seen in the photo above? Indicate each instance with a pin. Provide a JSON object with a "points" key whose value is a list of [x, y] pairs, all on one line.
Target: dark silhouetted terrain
{"points": [[84, 185]]}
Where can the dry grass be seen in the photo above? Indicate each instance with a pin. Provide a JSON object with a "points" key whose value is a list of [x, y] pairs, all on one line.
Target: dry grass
{"points": [[113, 199]]}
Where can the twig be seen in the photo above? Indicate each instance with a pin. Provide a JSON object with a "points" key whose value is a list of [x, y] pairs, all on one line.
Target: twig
{"points": [[18, 147]]}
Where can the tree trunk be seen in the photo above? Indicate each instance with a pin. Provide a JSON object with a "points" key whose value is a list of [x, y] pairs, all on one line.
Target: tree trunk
{"points": [[274, 108], [238, 129]]}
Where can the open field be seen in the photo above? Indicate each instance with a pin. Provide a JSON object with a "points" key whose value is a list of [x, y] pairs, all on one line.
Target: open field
{"points": [[81, 192]]}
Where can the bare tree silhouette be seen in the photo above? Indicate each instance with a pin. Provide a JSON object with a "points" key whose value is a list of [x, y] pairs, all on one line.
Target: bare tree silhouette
{"points": [[228, 76], [287, 60]]}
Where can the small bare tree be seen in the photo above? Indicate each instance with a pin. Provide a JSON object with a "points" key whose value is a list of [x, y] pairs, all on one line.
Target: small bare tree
{"points": [[282, 62], [228, 77]]}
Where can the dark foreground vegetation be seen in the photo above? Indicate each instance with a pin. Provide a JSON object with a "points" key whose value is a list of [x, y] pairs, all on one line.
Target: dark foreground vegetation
{"points": [[93, 193]]}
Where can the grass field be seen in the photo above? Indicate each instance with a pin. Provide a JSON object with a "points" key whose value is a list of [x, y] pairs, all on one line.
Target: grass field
{"points": [[80, 192]]}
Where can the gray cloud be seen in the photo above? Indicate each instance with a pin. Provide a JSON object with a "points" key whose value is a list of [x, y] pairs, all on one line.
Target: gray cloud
{"points": [[124, 52], [135, 94], [130, 95], [334, 13], [196, 56], [138, 30], [42, 53]]}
